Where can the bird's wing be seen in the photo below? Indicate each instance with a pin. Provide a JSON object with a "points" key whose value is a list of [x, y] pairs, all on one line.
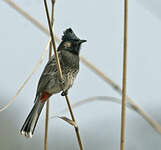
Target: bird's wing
{"points": [[50, 71]]}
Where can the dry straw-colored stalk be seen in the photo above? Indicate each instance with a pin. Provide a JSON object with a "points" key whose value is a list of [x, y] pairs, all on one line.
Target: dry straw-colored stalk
{"points": [[97, 71], [48, 102], [46, 126], [61, 75], [124, 80], [69, 121]]}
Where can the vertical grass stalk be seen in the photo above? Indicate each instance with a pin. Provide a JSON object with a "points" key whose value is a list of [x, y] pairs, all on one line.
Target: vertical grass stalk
{"points": [[47, 104], [124, 95], [46, 126]]}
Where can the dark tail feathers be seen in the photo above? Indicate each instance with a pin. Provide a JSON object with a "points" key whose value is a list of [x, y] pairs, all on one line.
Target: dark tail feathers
{"points": [[31, 121]]}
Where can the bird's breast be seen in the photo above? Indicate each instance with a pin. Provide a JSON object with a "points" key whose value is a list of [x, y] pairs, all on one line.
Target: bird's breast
{"points": [[69, 78]]}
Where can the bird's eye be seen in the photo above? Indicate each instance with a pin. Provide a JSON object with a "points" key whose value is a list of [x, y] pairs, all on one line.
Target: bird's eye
{"points": [[67, 44]]}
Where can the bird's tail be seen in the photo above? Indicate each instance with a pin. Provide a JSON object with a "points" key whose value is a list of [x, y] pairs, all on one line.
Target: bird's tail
{"points": [[31, 121]]}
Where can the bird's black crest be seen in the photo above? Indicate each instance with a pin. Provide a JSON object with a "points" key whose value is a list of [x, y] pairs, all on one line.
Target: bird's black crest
{"points": [[69, 35]]}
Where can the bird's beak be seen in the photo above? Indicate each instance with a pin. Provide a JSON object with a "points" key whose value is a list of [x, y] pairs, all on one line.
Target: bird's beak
{"points": [[82, 41]]}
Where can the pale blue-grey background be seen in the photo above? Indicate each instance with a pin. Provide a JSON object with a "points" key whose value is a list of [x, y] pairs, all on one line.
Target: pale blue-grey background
{"points": [[101, 23]]}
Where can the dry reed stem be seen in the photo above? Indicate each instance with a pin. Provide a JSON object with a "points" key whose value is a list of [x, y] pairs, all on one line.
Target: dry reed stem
{"points": [[48, 102], [71, 122], [46, 126], [53, 40], [102, 75], [60, 73], [124, 80]]}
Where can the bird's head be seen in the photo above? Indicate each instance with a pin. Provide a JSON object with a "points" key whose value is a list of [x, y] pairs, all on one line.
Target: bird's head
{"points": [[71, 42]]}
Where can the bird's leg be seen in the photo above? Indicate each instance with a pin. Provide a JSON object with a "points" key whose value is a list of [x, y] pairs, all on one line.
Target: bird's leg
{"points": [[64, 93]]}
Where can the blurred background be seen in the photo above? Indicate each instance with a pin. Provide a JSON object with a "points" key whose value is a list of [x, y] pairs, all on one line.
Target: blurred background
{"points": [[101, 24]]}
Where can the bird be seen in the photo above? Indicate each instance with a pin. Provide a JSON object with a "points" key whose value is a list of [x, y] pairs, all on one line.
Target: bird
{"points": [[50, 82]]}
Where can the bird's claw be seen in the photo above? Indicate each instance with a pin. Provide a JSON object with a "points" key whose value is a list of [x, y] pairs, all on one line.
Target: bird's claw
{"points": [[64, 93]]}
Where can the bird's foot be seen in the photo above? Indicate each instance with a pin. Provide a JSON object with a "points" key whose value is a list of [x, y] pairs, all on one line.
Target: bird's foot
{"points": [[64, 93]]}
